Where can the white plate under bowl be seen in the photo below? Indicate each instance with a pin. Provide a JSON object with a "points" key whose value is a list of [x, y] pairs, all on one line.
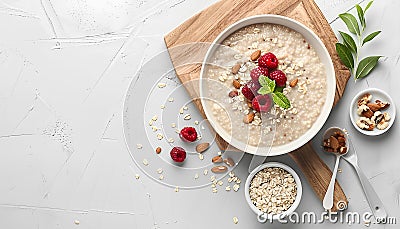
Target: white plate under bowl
{"points": [[376, 94], [325, 58]]}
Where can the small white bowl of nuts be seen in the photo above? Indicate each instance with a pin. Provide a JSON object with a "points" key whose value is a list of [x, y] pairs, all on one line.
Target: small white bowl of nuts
{"points": [[372, 112], [273, 191]]}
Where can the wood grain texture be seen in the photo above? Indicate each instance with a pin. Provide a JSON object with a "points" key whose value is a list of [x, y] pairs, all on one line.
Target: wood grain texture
{"points": [[205, 27]]}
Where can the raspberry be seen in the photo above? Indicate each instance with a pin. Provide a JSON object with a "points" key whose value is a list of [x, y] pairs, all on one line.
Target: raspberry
{"points": [[268, 60], [188, 134], [178, 154], [256, 72], [247, 92], [262, 103], [279, 77]]}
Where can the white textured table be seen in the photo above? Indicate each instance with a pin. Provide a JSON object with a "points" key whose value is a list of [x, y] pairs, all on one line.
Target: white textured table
{"points": [[64, 69]]}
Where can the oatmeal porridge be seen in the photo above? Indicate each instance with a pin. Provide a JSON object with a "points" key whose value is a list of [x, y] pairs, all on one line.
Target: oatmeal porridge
{"points": [[299, 85]]}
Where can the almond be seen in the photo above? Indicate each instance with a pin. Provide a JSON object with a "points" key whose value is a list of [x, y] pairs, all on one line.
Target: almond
{"points": [[248, 118], [236, 84], [342, 141], [255, 55], [216, 159], [229, 162], [294, 82], [200, 148], [374, 107], [334, 143], [219, 169], [235, 68], [249, 104], [233, 93], [368, 113]]}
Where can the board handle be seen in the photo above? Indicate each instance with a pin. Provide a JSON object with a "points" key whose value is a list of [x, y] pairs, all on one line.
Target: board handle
{"points": [[318, 175]]}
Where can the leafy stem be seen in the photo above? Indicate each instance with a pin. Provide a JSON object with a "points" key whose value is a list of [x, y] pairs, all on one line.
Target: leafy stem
{"points": [[349, 51]]}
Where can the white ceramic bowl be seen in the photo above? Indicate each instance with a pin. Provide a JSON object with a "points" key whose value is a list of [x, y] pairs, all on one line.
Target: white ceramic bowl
{"points": [[376, 94], [325, 58], [295, 203]]}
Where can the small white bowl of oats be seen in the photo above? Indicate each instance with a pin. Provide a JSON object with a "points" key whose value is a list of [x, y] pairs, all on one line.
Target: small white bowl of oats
{"points": [[273, 191], [372, 112]]}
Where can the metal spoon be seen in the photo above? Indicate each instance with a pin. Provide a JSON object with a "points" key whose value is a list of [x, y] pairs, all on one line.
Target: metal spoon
{"points": [[373, 199], [328, 199]]}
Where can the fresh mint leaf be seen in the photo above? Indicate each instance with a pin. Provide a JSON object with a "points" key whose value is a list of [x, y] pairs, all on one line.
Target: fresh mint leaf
{"points": [[366, 65], [351, 22], [349, 42], [281, 100], [264, 90], [279, 89], [345, 55], [370, 37], [267, 82]]}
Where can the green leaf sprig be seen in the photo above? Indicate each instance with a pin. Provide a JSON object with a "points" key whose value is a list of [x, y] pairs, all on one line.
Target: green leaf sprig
{"points": [[349, 50], [268, 86]]}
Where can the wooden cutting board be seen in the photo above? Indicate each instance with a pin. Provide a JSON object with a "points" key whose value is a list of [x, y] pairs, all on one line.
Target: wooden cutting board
{"points": [[205, 27]]}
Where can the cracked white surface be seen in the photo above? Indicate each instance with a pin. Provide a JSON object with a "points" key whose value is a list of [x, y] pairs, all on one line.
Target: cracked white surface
{"points": [[72, 61]]}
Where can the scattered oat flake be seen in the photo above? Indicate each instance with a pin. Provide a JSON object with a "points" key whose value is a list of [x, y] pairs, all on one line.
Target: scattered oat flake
{"points": [[196, 176], [150, 122], [219, 153], [187, 117], [159, 171], [196, 122], [235, 220], [137, 176], [160, 136], [220, 183], [185, 108], [201, 156], [171, 99], [145, 162], [181, 111], [214, 190], [173, 125], [236, 187], [154, 128], [212, 178], [228, 188], [155, 117], [162, 106], [176, 189], [161, 177], [77, 222], [205, 172], [139, 146], [161, 85], [340, 170], [171, 140]]}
